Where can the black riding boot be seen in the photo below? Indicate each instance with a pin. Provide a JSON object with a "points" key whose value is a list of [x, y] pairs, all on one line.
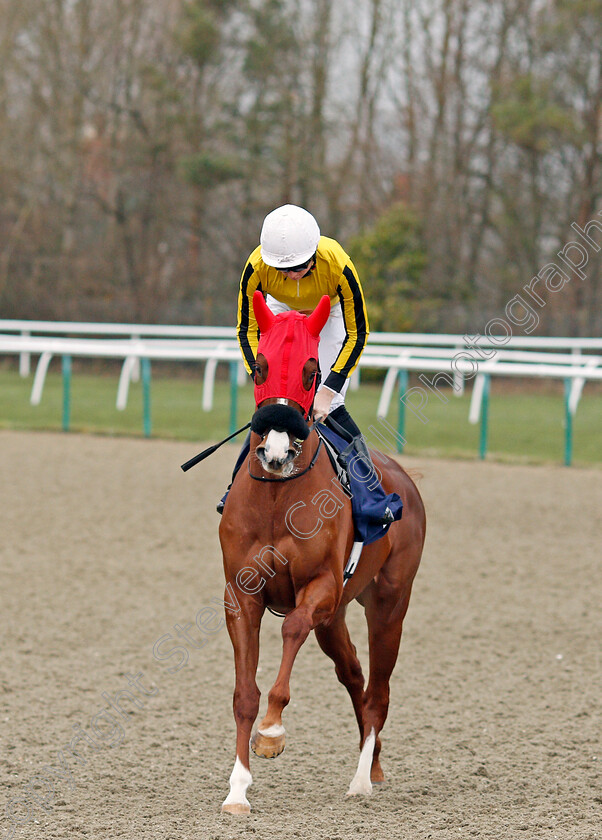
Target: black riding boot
{"points": [[345, 422], [246, 447], [345, 426], [342, 417]]}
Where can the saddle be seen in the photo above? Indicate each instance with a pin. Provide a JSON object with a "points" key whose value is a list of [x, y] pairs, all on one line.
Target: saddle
{"points": [[373, 510]]}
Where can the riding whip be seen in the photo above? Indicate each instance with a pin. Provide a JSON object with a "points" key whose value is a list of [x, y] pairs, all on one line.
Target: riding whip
{"points": [[206, 452]]}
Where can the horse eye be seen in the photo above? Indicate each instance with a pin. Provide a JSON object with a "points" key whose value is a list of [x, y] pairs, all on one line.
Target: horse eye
{"points": [[260, 368]]}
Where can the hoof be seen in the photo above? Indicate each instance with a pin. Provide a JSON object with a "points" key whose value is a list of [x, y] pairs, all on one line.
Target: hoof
{"points": [[377, 777], [267, 747], [236, 808], [360, 788]]}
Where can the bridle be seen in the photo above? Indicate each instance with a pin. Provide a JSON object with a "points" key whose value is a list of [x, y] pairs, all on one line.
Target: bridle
{"points": [[289, 477], [298, 445]]}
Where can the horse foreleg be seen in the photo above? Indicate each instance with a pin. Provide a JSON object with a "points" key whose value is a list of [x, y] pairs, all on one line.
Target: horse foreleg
{"points": [[314, 603], [243, 628]]}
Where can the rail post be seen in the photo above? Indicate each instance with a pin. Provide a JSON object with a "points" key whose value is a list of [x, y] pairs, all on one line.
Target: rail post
{"points": [[401, 416], [484, 418], [66, 369], [568, 424], [145, 370]]}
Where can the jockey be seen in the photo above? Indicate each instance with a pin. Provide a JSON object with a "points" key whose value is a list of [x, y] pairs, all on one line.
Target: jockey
{"points": [[294, 266]]}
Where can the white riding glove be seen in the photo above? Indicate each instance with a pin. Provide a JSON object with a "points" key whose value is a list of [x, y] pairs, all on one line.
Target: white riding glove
{"points": [[324, 397]]}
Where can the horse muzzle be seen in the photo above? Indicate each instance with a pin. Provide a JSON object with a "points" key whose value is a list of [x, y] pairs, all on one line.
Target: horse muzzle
{"points": [[276, 454]]}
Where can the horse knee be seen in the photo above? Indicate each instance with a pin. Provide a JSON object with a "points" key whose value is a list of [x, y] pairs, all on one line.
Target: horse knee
{"points": [[296, 626], [246, 704]]}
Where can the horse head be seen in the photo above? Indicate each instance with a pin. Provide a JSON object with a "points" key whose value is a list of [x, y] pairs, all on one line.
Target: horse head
{"points": [[285, 376]]}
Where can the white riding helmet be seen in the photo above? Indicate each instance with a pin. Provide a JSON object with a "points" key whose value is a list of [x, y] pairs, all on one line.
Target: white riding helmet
{"points": [[289, 237]]}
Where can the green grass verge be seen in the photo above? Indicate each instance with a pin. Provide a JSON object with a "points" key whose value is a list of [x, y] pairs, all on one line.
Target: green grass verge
{"points": [[523, 426]]}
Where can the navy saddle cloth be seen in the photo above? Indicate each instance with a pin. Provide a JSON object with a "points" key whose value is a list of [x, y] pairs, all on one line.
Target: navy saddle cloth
{"points": [[369, 502]]}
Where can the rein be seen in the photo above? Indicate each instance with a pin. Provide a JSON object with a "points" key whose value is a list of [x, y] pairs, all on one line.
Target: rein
{"points": [[289, 477]]}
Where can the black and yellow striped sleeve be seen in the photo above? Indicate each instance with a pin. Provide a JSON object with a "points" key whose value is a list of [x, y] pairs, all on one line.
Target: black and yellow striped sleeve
{"points": [[357, 329], [247, 330]]}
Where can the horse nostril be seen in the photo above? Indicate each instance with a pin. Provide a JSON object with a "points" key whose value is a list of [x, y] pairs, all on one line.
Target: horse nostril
{"points": [[275, 450]]}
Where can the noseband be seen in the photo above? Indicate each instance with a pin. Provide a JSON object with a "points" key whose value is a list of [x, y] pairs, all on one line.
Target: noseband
{"points": [[289, 477], [282, 417]]}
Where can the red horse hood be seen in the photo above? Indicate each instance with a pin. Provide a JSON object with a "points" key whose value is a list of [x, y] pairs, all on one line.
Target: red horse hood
{"points": [[288, 341]]}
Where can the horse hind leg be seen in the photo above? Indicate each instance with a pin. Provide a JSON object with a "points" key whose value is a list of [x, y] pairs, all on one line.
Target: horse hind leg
{"points": [[336, 643], [385, 620], [362, 782]]}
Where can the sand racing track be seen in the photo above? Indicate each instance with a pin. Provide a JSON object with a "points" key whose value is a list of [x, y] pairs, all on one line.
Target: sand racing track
{"points": [[109, 552]]}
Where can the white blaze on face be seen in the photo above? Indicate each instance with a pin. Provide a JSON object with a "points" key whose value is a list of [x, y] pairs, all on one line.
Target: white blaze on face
{"points": [[276, 447]]}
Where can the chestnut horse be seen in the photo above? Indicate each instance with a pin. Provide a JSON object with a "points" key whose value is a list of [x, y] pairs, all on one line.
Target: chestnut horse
{"points": [[286, 534]]}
